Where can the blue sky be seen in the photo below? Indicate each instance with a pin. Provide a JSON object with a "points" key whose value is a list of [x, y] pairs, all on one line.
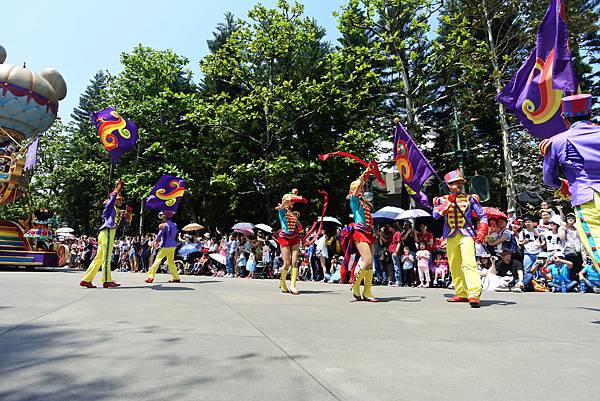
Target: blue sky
{"points": [[81, 37]]}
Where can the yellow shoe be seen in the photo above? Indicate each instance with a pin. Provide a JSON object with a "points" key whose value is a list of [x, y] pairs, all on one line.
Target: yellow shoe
{"points": [[356, 285], [293, 289], [367, 294], [282, 281]]}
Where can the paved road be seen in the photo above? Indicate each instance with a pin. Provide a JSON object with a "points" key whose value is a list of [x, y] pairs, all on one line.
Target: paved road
{"points": [[232, 339]]}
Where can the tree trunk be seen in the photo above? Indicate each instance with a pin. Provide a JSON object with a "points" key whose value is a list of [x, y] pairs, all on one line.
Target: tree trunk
{"points": [[506, 154]]}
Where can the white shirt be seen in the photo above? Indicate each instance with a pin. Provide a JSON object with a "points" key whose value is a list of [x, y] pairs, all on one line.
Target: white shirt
{"points": [[553, 242], [322, 247], [533, 245]]}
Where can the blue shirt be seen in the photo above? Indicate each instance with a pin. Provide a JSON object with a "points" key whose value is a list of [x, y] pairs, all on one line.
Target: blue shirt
{"points": [[591, 273], [559, 273]]}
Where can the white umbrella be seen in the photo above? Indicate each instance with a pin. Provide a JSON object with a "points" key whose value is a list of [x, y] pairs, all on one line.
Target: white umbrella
{"points": [[218, 257], [65, 230], [264, 227], [331, 220], [389, 212], [413, 214], [65, 236]]}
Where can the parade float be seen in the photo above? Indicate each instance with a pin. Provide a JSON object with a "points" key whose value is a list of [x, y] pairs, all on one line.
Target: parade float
{"points": [[28, 107]]}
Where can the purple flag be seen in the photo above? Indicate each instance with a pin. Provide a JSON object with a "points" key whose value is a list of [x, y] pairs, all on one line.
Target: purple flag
{"points": [[535, 91], [166, 194], [117, 134], [413, 166], [31, 157]]}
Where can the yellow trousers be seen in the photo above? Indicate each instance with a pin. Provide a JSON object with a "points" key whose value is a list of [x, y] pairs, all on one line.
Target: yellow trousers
{"points": [[168, 253], [588, 226], [463, 266], [106, 240]]}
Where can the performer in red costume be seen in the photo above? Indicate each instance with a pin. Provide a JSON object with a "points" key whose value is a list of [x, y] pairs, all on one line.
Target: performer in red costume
{"points": [[289, 238], [357, 239], [459, 231]]}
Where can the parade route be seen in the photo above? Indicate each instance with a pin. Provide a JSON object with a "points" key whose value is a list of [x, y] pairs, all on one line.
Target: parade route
{"points": [[234, 339]]}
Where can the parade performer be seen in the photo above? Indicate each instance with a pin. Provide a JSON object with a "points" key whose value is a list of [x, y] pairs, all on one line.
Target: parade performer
{"points": [[111, 216], [357, 239], [576, 153], [167, 238], [166, 197], [289, 238], [457, 208]]}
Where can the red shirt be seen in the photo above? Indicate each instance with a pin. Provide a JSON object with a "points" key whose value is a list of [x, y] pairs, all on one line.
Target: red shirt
{"points": [[396, 239], [426, 238]]}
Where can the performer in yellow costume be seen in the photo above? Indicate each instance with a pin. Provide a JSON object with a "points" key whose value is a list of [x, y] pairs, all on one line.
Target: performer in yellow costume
{"points": [[460, 235], [167, 236], [112, 216]]}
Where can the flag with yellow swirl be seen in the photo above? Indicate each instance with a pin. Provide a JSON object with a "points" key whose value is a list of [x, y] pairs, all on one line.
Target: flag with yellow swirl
{"points": [[167, 193], [117, 134]]}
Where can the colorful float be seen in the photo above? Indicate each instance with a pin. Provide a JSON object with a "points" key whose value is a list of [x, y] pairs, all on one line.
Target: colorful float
{"points": [[28, 107]]}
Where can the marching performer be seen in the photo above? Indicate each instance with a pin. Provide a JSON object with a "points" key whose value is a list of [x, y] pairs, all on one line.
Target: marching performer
{"points": [[167, 238], [457, 210], [111, 216], [289, 238], [576, 153], [357, 239]]}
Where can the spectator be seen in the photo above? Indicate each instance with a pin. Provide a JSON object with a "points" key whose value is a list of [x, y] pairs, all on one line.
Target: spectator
{"points": [[323, 254], [425, 236], [572, 243], [440, 265], [423, 256], [408, 268], [395, 249], [553, 241], [511, 216], [409, 236], [232, 249], [504, 239], [532, 242], [589, 278], [544, 223], [510, 270], [559, 276]]}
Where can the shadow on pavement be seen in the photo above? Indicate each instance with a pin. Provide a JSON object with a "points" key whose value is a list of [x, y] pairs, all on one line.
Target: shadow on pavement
{"points": [[410, 298], [309, 292], [490, 302], [158, 287]]}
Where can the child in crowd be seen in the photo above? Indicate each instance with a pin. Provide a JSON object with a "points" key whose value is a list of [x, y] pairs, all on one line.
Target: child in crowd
{"points": [[251, 265], [553, 241], [423, 257], [408, 267], [589, 278], [440, 265]]}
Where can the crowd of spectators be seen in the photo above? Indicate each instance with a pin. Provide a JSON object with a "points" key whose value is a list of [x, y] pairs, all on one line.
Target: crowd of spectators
{"points": [[538, 252]]}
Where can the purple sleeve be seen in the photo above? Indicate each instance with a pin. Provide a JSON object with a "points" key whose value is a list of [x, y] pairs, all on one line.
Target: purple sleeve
{"points": [[550, 168], [109, 206], [162, 234], [436, 215], [478, 210]]}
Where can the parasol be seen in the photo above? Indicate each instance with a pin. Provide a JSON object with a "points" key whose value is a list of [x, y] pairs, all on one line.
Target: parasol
{"points": [[218, 257], [413, 214], [192, 227], [244, 228], [331, 220], [65, 230], [389, 212], [265, 228], [188, 249]]}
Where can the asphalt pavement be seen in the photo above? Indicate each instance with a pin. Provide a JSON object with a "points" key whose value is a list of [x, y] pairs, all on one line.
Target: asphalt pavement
{"points": [[238, 339]]}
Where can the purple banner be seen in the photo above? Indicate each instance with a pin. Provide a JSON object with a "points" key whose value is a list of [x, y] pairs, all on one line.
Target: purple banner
{"points": [[413, 166], [117, 134], [535, 91], [166, 194]]}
